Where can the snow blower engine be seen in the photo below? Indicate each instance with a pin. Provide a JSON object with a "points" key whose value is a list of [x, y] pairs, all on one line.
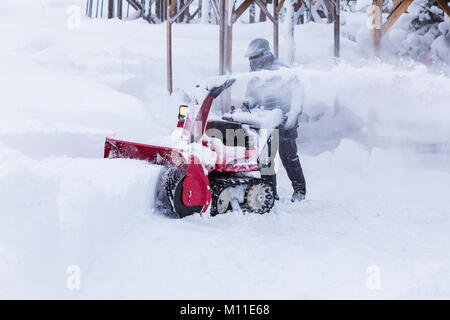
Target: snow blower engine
{"points": [[215, 164]]}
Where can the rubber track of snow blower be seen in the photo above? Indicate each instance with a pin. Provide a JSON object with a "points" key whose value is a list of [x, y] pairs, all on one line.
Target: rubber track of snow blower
{"points": [[220, 183]]}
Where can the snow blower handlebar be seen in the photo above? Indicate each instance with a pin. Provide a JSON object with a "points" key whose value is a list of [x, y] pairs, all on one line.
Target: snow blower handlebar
{"points": [[216, 91], [213, 94], [195, 124]]}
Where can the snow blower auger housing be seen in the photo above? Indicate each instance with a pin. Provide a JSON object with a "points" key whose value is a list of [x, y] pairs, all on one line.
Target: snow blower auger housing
{"points": [[204, 172]]}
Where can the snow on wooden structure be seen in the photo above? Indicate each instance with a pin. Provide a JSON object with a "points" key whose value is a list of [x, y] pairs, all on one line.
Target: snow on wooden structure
{"points": [[170, 19], [227, 15], [154, 11], [379, 29]]}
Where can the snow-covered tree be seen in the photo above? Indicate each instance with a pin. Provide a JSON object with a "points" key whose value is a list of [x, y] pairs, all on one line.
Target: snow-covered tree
{"points": [[428, 15], [429, 37], [387, 5]]}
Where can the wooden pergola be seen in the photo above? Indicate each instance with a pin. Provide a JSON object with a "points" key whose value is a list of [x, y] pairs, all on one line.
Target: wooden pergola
{"points": [[226, 17], [379, 29], [176, 11]]}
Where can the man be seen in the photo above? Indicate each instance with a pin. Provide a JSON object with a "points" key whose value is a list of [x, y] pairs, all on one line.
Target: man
{"points": [[271, 93]]}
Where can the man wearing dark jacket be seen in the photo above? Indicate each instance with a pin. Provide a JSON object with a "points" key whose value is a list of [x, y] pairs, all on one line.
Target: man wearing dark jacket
{"points": [[271, 93]]}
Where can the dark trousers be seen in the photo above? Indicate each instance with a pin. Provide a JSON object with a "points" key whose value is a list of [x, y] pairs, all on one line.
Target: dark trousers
{"points": [[287, 147]]}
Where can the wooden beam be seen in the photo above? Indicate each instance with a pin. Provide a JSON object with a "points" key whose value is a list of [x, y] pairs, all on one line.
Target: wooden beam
{"points": [[240, 10], [336, 4], [395, 14], [280, 5], [215, 9], [222, 31], [171, 7], [445, 7], [329, 5], [191, 16], [110, 9], [266, 12], [136, 5], [119, 9], [172, 20]]}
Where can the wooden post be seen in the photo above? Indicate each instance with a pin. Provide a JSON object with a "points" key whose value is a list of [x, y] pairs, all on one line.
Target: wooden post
{"points": [[337, 27], [119, 9], [90, 8], [329, 5], [222, 32], [377, 23], [110, 9], [158, 9], [228, 38], [275, 28], [163, 9], [169, 48], [262, 16], [180, 5], [229, 49], [252, 13]]}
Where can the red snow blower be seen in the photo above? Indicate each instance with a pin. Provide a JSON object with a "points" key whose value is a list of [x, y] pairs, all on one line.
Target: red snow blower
{"points": [[209, 172]]}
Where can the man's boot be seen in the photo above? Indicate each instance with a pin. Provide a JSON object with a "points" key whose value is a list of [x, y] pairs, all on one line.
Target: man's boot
{"points": [[297, 196], [299, 191]]}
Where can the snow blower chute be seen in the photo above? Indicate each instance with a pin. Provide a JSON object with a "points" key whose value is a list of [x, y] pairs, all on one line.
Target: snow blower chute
{"points": [[208, 172]]}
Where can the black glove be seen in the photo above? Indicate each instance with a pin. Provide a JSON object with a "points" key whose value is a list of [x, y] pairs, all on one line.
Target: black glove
{"points": [[246, 106]]}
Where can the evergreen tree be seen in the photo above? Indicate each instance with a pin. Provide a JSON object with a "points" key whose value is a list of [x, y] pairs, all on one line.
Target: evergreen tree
{"points": [[428, 38], [428, 15]]}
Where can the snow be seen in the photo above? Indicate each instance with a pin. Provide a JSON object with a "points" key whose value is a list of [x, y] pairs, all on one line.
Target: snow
{"points": [[258, 118], [363, 4], [441, 46], [374, 144]]}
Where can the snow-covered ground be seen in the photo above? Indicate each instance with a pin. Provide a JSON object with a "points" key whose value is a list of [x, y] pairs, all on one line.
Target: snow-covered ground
{"points": [[377, 216]]}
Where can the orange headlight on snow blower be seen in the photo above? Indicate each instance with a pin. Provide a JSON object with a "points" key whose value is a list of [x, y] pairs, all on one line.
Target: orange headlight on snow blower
{"points": [[182, 112]]}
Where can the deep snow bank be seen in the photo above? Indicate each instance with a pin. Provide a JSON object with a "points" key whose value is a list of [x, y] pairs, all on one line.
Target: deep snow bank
{"points": [[59, 211]]}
